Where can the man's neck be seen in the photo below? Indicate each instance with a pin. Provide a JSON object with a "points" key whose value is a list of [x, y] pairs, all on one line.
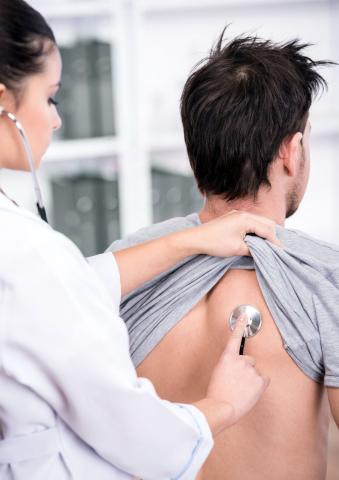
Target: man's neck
{"points": [[215, 206]]}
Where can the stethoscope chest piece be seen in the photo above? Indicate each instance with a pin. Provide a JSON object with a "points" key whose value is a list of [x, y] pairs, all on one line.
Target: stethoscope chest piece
{"points": [[254, 322]]}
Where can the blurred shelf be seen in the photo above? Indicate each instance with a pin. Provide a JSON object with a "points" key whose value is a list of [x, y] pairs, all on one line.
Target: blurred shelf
{"points": [[167, 142], [159, 6], [162, 146], [75, 9], [82, 149], [324, 124], [168, 153], [178, 164]]}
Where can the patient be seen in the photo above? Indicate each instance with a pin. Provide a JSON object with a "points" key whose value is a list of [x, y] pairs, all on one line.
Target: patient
{"points": [[245, 114]]}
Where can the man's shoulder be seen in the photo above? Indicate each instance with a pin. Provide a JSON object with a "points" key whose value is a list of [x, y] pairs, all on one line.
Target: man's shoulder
{"points": [[300, 242], [156, 230]]}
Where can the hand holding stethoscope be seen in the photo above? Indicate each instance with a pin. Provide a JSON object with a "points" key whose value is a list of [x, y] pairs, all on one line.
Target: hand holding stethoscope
{"points": [[253, 325]]}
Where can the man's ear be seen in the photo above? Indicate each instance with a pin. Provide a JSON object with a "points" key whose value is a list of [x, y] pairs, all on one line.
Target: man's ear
{"points": [[289, 153]]}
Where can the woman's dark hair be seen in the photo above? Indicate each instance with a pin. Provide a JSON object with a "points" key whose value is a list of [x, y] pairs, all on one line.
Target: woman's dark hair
{"points": [[25, 38], [239, 105]]}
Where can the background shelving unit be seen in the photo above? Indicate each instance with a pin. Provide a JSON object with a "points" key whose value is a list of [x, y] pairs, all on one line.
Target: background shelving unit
{"points": [[155, 45]]}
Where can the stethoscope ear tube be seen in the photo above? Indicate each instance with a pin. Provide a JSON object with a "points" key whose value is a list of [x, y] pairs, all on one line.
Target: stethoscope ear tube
{"points": [[42, 212], [24, 138]]}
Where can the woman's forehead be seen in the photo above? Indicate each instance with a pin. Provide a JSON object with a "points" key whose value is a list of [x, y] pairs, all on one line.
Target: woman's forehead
{"points": [[53, 66]]}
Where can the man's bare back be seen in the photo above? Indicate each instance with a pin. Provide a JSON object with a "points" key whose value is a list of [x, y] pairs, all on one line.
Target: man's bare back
{"points": [[285, 436]]}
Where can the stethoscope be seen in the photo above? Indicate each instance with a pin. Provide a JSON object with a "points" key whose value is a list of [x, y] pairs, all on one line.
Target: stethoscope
{"points": [[23, 136], [254, 322]]}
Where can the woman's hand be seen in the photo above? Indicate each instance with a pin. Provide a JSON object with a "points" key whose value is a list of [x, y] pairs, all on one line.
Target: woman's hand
{"points": [[235, 386], [221, 237], [224, 236]]}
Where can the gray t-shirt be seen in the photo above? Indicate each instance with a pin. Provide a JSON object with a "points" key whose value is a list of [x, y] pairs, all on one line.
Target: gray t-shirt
{"points": [[300, 284]]}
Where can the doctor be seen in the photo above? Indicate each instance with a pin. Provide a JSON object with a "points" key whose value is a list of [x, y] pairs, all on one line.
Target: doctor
{"points": [[71, 405]]}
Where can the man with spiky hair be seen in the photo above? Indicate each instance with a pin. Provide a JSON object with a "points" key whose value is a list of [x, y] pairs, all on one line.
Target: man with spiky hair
{"points": [[246, 118]]}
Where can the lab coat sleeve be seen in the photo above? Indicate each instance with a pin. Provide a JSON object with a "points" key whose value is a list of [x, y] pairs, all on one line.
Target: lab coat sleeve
{"points": [[63, 340], [107, 270]]}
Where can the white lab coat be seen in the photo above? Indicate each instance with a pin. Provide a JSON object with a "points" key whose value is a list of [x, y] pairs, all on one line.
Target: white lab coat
{"points": [[71, 405]]}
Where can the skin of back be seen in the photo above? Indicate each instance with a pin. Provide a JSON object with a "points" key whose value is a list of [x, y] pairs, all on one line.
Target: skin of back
{"points": [[285, 435]]}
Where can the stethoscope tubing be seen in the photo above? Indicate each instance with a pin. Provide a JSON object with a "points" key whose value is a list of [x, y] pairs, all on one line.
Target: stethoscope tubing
{"points": [[25, 141]]}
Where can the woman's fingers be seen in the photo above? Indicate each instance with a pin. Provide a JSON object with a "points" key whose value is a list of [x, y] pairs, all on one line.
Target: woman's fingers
{"points": [[235, 380], [264, 228], [234, 342], [249, 360], [225, 235], [259, 225]]}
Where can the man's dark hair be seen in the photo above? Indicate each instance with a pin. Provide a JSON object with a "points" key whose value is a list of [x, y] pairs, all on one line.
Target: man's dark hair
{"points": [[239, 105]]}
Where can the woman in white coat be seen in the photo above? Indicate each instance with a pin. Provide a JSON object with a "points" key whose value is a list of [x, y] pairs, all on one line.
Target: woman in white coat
{"points": [[71, 404]]}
